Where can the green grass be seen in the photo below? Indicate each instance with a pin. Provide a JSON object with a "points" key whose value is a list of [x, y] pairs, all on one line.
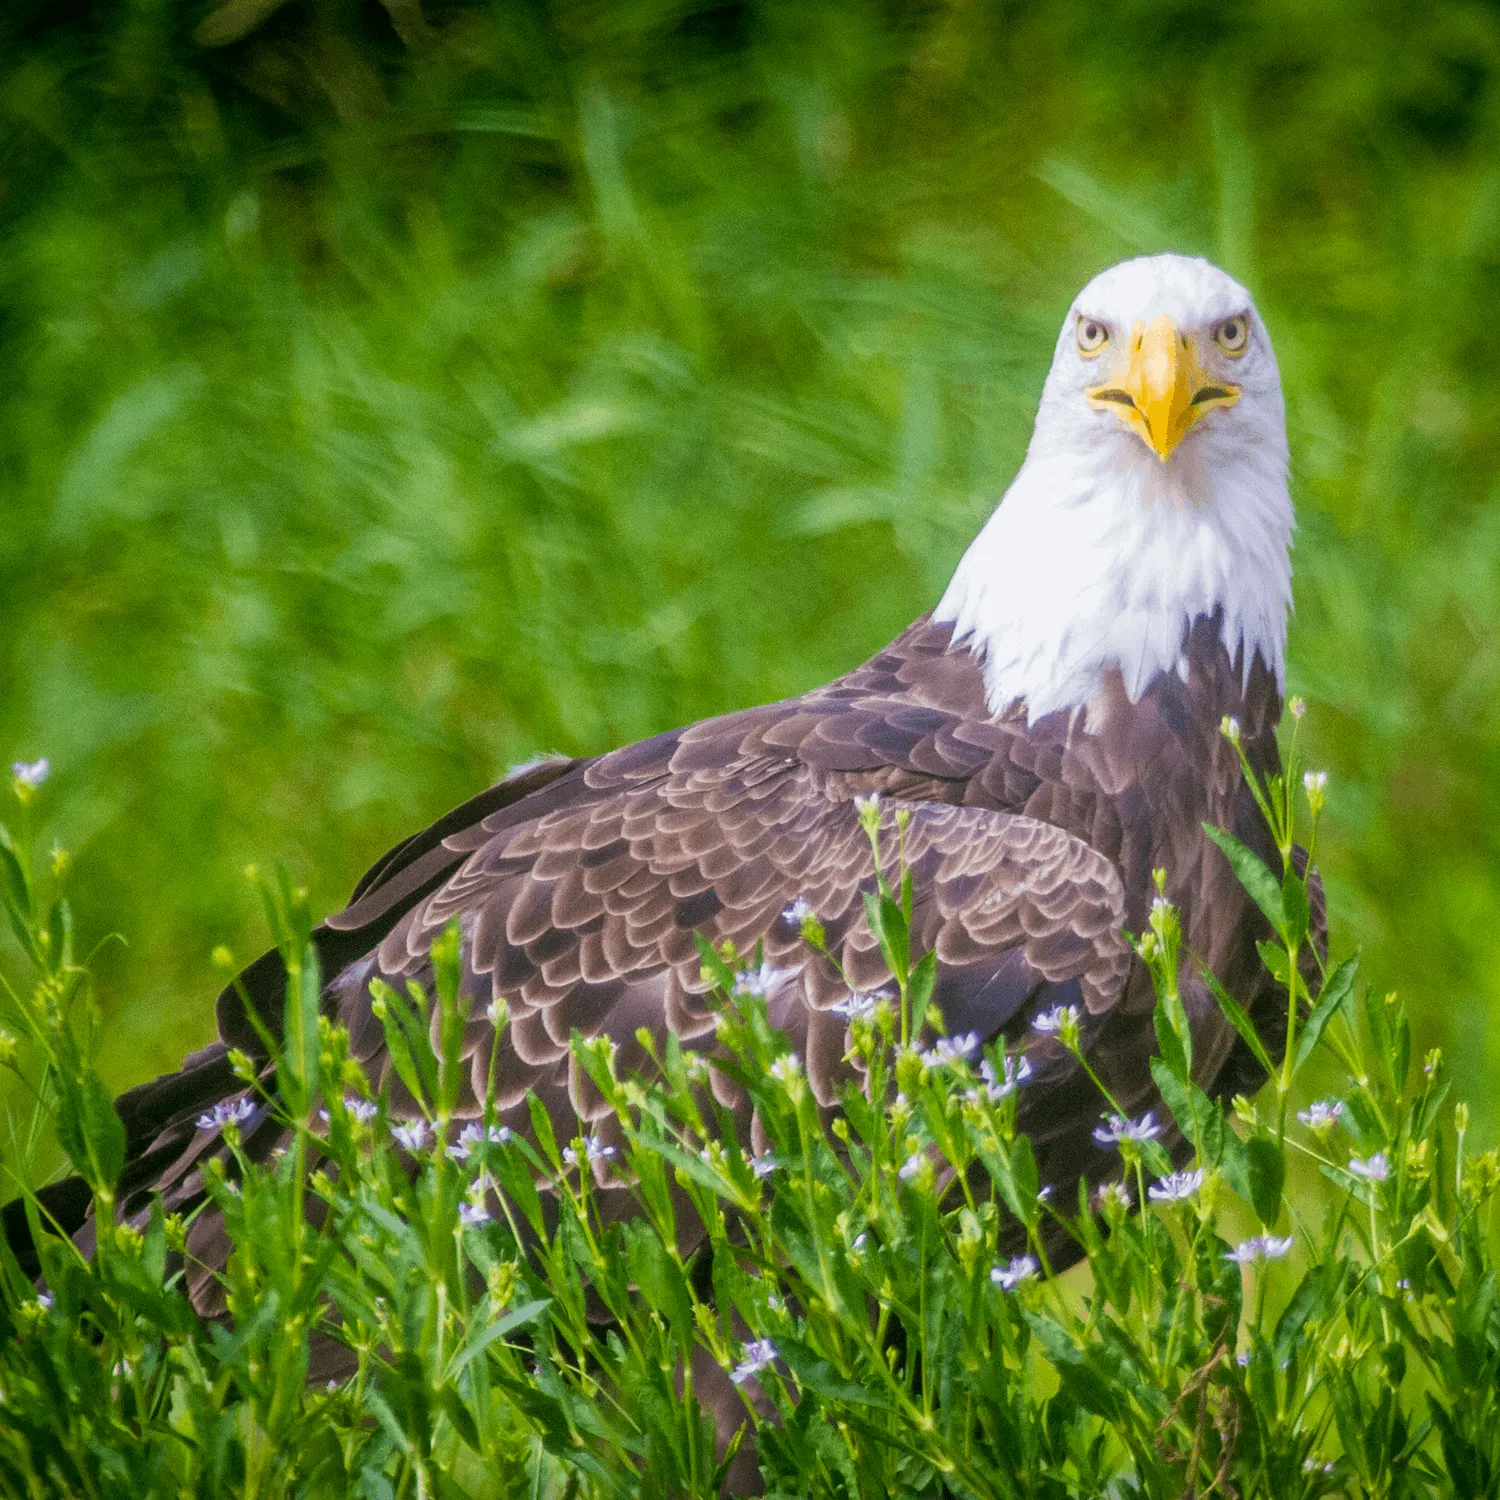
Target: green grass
{"points": [[378, 415], [875, 1285]]}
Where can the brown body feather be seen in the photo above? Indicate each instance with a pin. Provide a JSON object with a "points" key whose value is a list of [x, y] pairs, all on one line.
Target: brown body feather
{"points": [[579, 887]]}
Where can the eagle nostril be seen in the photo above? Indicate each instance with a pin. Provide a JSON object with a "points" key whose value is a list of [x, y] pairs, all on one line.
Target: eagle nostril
{"points": [[1210, 393], [1123, 397]]}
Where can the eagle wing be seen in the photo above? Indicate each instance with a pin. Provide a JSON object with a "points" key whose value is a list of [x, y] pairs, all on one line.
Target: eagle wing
{"points": [[578, 888], [585, 920]]}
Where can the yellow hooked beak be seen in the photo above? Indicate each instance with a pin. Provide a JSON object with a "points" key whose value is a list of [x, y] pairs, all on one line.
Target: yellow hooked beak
{"points": [[1162, 390]]}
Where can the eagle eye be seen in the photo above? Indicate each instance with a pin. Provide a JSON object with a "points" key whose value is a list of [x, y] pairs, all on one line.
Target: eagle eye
{"points": [[1233, 334], [1092, 336]]}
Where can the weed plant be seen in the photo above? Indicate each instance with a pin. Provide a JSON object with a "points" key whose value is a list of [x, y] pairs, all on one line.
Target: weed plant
{"points": [[876, 1282]]}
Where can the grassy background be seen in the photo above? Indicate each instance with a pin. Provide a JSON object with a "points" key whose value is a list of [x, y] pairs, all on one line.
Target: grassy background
{"points": [[391, 393]]}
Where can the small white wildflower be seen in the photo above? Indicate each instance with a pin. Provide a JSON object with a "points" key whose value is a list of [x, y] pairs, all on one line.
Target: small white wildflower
{"points": [[797, 913], [758, 1354], [1020, 1268], [1115, 1195], [44, 1299], [1160, 905], [763, 1166], [1119, 1129], [860, 1006], [948, 1050], [1315, 781], [231, 1112], [1242, 1359], [1055, 1019], [412, 1135], [1321, 1114], [1016, 1071], [696, 1066], [786, 1067], [1229, 727], [1260, 1247], [1044, 1193], [1297, 707], [1376, 1169], [758, 982], [496, 1012], [470, 1214], [865, 806], [32, 773], [361, 1109], [593, 1150], [1175, 1186], [860, 1240], [912, 1165]]}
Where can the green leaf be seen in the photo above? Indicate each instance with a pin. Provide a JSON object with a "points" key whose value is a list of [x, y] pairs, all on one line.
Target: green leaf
{"points": [[1016, 1176], [23, 936], [458, 1414], [541, 1128], [1088, 1386], [659, 1279], [1264, 888], [18, 891], [1317, 1297], [816, 1374], [1240, 1020], [407, 1042], [60, 931], [1294, 904], [90, 1130], [1265, 1170], [1251, 1170], [1197, 1116], [923, 982], [482, 1338], [300, 1031], [1173, 1036], [1332, 998], [718, 973], [1274, 957], [889, 927]]}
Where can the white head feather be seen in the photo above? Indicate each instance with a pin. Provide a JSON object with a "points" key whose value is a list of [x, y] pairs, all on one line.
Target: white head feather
{"points": [[1101, 554]]}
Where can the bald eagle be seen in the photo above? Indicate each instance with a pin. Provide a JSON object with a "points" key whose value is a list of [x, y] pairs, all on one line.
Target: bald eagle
{"points": [[1051, 729]]}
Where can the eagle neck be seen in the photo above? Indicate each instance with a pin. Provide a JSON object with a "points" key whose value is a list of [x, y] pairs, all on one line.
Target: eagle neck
{"points": [[1100, 560]]}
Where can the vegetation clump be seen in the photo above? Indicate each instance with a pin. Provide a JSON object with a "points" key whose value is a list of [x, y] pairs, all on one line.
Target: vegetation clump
{"points": [[1301, 1304]]}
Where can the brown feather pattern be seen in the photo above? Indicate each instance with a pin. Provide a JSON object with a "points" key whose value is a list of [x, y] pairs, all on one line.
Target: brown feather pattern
{"points": [[579, 887]]}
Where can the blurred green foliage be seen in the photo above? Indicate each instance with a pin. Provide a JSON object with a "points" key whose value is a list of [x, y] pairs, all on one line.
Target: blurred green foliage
{"points": [[393, 392]]}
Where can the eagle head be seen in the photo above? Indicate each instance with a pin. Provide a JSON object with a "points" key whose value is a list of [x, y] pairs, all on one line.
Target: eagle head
{"points": [[1158, 345], [1154, 492]]}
